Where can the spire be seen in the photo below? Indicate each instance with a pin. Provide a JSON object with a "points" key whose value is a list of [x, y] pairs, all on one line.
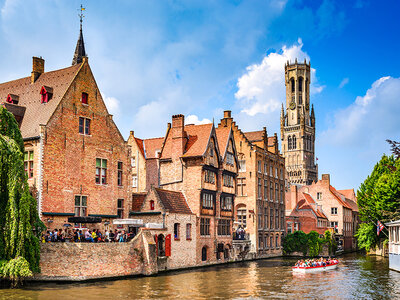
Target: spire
{"points": [[312, 111], [80, 45]]}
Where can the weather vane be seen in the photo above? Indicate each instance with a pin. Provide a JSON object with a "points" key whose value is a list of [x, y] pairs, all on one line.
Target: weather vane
{"points": [[81, 16]]}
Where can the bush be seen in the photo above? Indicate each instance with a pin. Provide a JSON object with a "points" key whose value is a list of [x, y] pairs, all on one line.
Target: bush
{"points": [[15, 269], [309, 243]]}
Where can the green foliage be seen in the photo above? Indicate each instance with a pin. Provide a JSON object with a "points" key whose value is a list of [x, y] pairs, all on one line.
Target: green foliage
{"points": [[330, 242], [16, 269], [18, 213], [378, 198], [309, 243]]}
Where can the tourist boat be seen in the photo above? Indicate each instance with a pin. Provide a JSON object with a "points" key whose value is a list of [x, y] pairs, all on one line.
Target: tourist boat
{"points": [[314, 269]]}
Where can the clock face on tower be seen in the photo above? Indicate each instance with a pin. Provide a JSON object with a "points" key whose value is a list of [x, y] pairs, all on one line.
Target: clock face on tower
{"points": [[292, 105]]}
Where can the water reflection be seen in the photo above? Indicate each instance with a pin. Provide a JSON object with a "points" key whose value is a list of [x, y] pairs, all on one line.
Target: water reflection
{"points": [[357, 277]]}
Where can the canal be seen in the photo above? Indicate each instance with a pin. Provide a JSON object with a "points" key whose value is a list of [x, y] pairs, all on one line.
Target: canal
{"points": [[358, 277]]}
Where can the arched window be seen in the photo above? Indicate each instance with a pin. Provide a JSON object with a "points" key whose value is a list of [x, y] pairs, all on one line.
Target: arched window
{"points": [[300, 84], [294, 145], [289, 142], [292, 85], [151, 204]]}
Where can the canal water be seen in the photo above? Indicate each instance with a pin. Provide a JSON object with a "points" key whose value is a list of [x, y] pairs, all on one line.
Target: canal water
{"points": [[358, 277]]}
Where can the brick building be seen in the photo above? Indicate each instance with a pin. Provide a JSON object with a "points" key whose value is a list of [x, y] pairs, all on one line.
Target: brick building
{"points": [[260, 206], [201, 163], [303, 213], [75, 157], [173, 225], [340, 207]]}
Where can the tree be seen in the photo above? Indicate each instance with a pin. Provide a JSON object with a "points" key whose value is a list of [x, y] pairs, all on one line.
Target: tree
{"points": [[395, 147], [378, 198], [18, 213]]}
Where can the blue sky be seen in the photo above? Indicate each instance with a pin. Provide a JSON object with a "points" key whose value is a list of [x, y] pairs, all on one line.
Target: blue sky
{"points": [[152, 59]]}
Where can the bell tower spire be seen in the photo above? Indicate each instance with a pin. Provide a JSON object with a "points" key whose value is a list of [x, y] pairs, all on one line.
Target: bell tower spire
{"points": [[80, 45]]}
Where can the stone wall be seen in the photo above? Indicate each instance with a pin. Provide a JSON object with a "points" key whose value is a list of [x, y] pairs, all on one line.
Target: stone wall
{"points": [[82, 261]]}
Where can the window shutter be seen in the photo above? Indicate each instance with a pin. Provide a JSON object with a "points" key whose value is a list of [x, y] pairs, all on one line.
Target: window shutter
{"points": [[168, 245], [156, 239]]}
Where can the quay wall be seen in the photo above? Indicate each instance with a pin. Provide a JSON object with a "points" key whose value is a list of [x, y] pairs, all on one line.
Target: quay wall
{"points": [[84, 261]]}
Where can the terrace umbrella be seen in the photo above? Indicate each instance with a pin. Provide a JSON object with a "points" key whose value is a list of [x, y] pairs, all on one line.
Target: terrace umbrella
{"points": [[67, 225]]}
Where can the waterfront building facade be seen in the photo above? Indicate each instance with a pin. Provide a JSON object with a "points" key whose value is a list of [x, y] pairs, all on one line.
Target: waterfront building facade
{"points": [[341, 211], [76, 160], [260, 206], [298, 126], [394, 245]]}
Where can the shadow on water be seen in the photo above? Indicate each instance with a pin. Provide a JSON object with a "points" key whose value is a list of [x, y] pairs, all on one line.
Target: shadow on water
{"points": [[358, 277]]}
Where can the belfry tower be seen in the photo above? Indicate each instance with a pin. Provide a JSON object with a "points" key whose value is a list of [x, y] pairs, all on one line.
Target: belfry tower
{"points": [[298, 126]]}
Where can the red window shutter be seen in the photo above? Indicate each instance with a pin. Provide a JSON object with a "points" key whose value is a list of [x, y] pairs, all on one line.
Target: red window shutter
{"points": [[156, 239], [168, 245]]}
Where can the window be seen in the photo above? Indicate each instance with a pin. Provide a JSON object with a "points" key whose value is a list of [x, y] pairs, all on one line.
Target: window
{"points": [[230, 158], [282, 219], [242, 166], [259, 166], [276, 172], [28, 163], [259, 193], [188, 231], [45, 94], [282, 198], [211, 151], [228, 180], [290, 143], [266, 242], [101, 171], [120, 208], [260, 223], [271, 191], [241, 186], [265, 189], [133, 162], [208, 200], [260, 242], [226, 203], [134, 181], [271, 245], [241, 217], [224, 227], [276, 192], [176, 231], [319, 196], [300, 84], [294, 142], [84, 126], [270, 171], [80, 205], [276, 241], [333, 210], [292, 84], [265, 219], [265, 168], [151, 204], [271, 218], [276, 219], [120, 173], [300, 99], [209, 176], [204, 226], [84, 98], [334, 225]]}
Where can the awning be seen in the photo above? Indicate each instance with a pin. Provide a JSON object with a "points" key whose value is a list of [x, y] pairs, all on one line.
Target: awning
{"points": [[154, 225], [84, 219], [134, 222]]}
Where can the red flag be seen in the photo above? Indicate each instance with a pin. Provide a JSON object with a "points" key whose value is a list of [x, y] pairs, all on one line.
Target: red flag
{"points": [[379, 227]]}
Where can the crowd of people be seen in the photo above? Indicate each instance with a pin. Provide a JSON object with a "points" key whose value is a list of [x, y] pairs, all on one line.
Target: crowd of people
{"points": [[316, 262], [86, 235]]}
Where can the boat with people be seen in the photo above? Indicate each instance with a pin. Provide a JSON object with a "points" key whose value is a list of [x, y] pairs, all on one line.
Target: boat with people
{"points": [[315, 265]]}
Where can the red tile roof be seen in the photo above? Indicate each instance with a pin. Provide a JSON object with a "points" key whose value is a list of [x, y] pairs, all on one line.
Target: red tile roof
{"points": [[197, 137], [139, 142], [349, 194], [339, 197], [222, 138], [137, 201], [29, 96], [309, 203], [254, 136], [151, 146], [173, 202]]}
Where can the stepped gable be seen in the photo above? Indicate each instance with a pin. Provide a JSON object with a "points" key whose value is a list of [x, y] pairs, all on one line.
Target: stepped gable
{"points": [[271, 141], [151, 146], [137, 200], [222, 138], [38, 113], [173, 202]]}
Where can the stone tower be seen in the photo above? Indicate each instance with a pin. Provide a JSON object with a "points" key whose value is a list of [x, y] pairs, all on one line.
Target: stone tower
{"points": [[298, 126]]}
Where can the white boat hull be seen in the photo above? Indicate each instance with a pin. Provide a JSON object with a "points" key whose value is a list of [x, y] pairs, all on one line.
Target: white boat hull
{"points": [[314, 269]]}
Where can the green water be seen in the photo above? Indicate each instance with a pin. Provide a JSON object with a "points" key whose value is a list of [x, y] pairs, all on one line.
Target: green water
{"points": [[358, 277]]}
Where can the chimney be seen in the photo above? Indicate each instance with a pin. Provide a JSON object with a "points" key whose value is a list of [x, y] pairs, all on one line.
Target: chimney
{"points": [[326, 179], [178, 135], [227, 120], [227, 114], [37, 68], [293, 199]]}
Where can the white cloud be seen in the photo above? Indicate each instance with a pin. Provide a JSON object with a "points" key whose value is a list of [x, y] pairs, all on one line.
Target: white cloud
{"points": [[262, 88], [343, 82], [112, 104], [193, 119]]}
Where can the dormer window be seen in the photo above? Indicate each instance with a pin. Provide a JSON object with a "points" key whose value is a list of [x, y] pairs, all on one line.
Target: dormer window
{"points": [[46, 94], [85, 98], [14, 99]]}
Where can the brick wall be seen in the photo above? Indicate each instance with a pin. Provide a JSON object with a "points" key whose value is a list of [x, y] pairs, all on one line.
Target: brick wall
{"points": [[78, 261]]}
